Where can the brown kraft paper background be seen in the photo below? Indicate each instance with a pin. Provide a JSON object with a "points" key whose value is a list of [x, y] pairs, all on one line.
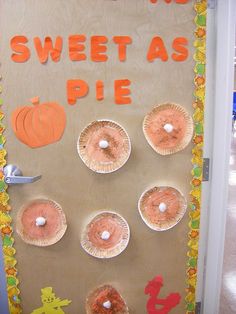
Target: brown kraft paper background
{"points": [[65, 266]]}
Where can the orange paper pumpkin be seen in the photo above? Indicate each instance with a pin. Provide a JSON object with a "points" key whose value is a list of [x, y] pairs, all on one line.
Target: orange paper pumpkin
{"points": [[39, 125]]}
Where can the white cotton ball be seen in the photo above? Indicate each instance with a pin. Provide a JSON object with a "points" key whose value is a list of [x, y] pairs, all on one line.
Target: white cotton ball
{"points": [[168, 127], [107, 304], [40, 221], [162, 207], [105, 235], [103, 144]]}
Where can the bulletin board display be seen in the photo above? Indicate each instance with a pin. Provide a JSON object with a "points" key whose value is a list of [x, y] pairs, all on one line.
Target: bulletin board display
{"points": [[69, 69]]}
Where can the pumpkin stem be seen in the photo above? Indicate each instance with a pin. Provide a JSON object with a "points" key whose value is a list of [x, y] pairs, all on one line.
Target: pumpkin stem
{"points": [[35, 100]]}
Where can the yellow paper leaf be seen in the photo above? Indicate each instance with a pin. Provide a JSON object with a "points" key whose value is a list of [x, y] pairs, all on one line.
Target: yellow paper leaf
{"points": [[4, 219]]}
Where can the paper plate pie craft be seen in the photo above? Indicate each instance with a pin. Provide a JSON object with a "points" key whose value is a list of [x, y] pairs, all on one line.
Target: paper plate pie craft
{"points": [[40, 124], [104, 146], [162, 207], [41, 222], [106, 235], [106, 300], [168, 128]]}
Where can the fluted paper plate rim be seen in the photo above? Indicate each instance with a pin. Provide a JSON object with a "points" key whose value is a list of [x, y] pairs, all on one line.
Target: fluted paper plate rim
{"points": [[37, 242], [90, 249], [189, 131], [154, 226], [92, 293], [98, 167]]}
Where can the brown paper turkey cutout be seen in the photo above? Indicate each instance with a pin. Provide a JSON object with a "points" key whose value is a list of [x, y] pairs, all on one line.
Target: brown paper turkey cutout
{"points": [[39, 125]]}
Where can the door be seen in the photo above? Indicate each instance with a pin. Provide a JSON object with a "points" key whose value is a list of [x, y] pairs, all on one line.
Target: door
{"points": [[125, 58], [224, 18]]}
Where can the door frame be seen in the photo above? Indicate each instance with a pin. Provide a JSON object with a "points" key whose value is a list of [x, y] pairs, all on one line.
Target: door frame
{"points": [[219, 100]]}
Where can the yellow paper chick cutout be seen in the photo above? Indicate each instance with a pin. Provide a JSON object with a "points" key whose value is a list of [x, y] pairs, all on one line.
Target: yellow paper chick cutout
{"points": [[51, 304]]}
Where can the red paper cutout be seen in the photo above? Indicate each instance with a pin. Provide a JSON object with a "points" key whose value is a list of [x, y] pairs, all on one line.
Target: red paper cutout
{"points": [[76, 89], [76, 47], [98, 48], [153, 288], [122, 42], [121, 92], [178, 45], [39, 125], [157, 49], [43, 52], [17, 45]]}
